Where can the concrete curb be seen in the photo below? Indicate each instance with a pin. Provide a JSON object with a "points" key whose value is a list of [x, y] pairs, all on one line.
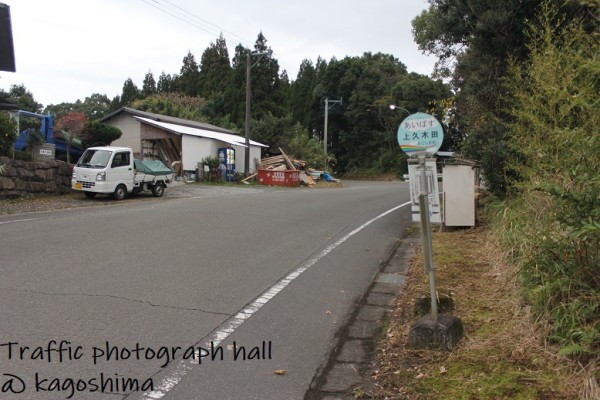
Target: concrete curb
{"points": [[349, 361]]}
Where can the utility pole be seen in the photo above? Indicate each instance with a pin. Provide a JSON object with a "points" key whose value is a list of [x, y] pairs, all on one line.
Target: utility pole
{"points": [[327, 107], [247, 122], [249, 66]]}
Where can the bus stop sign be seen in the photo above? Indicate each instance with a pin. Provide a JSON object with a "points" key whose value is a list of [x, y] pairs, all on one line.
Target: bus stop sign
{"points": [[420, 133]]}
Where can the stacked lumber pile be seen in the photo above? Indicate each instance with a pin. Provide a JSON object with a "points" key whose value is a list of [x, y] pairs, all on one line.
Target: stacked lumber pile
{"points": [[277, 163], [283, 163]]}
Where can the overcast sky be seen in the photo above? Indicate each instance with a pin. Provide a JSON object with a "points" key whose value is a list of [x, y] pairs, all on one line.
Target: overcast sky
{"points": [[68, 49]]}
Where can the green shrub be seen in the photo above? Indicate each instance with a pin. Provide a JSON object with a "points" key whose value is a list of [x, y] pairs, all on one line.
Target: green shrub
{"points": [[551, 225], [8, 133], [213, 164]]}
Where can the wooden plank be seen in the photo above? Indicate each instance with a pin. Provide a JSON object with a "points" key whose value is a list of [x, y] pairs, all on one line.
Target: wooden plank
{"points": [[176, 142], [248, 178], [277, 167], [173, 150], [287, 160], [273, 160], [163, 155]]}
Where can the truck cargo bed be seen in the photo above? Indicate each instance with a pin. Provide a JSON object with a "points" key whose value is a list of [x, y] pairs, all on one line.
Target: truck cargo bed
{"points": [[154, 167]]}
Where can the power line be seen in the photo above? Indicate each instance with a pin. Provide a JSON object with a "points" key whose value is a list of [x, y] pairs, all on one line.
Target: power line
{"points": [[181, 18], [172, 9], [206, 21]]}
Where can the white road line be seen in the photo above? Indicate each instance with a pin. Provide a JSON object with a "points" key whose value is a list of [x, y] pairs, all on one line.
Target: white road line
{"points": [[18, 220], [183, 367]]}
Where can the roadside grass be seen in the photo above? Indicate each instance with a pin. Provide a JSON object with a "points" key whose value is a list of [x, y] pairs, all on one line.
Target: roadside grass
{"points": [[327, 185], [502, 355], [368, 175]]}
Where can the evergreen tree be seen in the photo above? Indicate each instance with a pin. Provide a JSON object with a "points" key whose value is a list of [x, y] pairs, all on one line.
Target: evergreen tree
{"points": [[215, 69], [58, 110], [301, 99], [360, 132], [149, 85], [188, 80], [115, 104], [268, 90], [174, 105], [95, 106], [215, 75], [480, 37], [130, 93], [98, 134], [235, 93], [166, 83], [315, 110], [23, 98]]}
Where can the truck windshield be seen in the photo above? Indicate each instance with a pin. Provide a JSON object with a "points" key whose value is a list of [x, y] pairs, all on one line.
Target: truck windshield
{"points": [[94, 158]]}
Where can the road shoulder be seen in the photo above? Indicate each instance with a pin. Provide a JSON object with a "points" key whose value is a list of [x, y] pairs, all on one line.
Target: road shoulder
{"points": [[350, 360]]}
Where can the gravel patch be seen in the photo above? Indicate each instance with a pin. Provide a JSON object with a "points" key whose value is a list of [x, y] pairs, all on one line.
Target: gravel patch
{"points": [[75, 199]]}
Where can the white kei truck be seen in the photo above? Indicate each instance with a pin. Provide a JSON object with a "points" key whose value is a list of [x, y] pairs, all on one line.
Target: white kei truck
{"points": [[113, 170]]}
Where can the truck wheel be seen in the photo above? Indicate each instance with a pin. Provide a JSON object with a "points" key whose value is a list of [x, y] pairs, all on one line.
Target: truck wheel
{"points": [[120, 192], [158, 190], [90, 195]]}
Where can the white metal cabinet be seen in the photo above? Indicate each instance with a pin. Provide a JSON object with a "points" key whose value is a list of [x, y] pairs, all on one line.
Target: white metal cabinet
{"points": [[461, 186]]}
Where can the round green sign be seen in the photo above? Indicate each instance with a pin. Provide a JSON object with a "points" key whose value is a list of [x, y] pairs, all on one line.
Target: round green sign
{"points": [[420, 132]]}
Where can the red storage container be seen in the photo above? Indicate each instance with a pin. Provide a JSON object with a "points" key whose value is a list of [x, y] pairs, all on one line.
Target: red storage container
{"points": [[278, 178]]}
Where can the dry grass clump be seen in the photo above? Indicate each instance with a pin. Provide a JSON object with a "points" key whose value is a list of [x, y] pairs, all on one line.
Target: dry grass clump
{"points": [[502, 354]]}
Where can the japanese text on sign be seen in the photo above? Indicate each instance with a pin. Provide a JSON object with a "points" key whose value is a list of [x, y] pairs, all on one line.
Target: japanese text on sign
{"points": [[420, 132]]}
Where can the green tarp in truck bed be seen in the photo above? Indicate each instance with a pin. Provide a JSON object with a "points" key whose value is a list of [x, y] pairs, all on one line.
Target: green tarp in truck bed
{"points": [[154, 167]]}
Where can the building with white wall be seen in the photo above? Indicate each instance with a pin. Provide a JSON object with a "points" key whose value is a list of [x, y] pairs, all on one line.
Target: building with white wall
{"points": [[178, 142]]}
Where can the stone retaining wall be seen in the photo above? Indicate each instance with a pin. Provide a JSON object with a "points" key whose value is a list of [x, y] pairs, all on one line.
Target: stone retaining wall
{"points": [[19, 178]]}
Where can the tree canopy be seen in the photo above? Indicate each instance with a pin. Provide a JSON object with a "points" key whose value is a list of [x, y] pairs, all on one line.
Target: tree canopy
{"points": [[474, 42], [361, 132], [525, 79]]}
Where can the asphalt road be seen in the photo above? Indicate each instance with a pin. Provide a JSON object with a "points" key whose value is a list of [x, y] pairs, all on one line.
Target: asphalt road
{"points": [[134, 292]]}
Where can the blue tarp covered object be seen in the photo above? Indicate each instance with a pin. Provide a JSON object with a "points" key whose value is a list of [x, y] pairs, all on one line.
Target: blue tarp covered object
{"points": [[327, 177]]}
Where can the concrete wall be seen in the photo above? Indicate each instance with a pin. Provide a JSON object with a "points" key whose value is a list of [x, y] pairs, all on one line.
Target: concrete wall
{"points": [[18, 178]]}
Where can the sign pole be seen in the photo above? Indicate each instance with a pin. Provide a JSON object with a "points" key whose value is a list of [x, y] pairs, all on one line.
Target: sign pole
{"points": [[422, 135], [426, 236]]}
